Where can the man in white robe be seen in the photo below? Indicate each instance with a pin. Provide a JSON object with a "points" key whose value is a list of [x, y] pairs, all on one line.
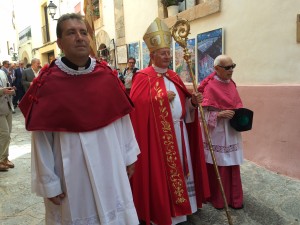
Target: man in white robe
{"points": [[83, 144]]}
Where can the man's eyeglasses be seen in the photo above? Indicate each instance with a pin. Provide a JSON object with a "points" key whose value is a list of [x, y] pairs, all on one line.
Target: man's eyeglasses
{"points": [[132, 62], [228, 67]]}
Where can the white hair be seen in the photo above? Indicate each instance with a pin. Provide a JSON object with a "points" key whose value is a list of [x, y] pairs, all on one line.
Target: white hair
{"points": [[219, 59]]}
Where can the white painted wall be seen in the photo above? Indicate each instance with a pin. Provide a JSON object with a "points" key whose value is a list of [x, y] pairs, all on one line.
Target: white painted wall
{"points": [[260, 36], [137, 17], [108, 18]]}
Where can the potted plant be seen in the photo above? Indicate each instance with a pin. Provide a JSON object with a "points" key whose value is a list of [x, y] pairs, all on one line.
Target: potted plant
{"points": [[172, 6]]}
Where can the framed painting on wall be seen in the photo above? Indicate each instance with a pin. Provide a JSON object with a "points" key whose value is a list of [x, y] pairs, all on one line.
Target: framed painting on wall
{"points": [[209, 46], [122, 54], [145, 55], [171, 65], [180, 64], [134, 51]]}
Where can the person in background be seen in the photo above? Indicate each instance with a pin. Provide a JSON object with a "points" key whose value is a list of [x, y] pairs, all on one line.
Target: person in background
{"points": [[5, 68], [12, 67], [128, 73], [83, 144], [6, 109], [30, 73], [18, 84], [220, 99], [170, 181]]}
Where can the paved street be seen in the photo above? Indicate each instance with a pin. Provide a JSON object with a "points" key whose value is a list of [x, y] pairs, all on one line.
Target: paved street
{"points": [[269, 198]]}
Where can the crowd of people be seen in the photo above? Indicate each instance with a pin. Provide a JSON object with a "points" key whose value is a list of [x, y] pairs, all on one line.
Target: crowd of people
{"points": [[13, 85], [126, 149]]}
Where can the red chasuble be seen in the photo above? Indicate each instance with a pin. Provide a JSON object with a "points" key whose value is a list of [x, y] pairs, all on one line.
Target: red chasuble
{"points": [[57, 101], [158, 184]]}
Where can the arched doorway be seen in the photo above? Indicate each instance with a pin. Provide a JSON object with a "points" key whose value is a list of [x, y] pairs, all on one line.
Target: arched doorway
{"points": [[103, 52], [25, 58], [106, 49]]}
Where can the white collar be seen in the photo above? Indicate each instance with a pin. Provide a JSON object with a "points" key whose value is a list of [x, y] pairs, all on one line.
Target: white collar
{"points": [[159, 70], [70, 71], [223, 81]]}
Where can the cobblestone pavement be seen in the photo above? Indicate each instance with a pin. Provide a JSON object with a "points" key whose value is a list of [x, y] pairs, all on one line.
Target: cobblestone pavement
{"points": [[269, 198]]}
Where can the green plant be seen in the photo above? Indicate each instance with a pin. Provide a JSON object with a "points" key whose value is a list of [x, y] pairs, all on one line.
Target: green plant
{"points": [[167, 3]]}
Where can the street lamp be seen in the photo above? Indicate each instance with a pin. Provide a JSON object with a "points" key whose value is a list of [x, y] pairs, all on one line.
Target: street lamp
{"points": [[13, 53], [52, 9]]}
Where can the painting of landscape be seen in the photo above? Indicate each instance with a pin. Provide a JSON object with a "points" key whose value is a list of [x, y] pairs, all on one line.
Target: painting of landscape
{"points": [[209, 46]]}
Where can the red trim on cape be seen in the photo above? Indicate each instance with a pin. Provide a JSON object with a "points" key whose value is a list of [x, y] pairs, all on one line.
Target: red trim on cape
{"points": [[57, 101], [150, 187]]}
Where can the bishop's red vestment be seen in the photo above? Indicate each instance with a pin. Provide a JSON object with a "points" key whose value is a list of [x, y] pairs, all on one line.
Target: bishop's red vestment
{"points": [[158, 184]]}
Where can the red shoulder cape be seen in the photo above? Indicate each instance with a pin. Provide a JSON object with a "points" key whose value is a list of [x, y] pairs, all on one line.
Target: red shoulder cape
{"points": [[218, 94], [57, 101], [152, 190]]}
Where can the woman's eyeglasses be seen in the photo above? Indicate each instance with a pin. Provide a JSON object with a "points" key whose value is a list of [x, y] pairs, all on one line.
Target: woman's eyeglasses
{"points": [[228, 67]]}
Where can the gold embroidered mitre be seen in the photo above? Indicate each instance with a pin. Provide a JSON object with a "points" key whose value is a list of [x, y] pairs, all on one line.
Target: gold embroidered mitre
{"points": [[157, 35]]}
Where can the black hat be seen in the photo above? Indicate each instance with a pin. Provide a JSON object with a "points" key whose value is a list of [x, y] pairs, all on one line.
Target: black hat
{"points": [[242, 119]]}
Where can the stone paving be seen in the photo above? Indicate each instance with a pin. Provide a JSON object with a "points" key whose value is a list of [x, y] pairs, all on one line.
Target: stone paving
{"points": [[269, 198]]}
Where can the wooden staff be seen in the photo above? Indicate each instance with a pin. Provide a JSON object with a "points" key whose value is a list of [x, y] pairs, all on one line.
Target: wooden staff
{"points": [[180, 32]]}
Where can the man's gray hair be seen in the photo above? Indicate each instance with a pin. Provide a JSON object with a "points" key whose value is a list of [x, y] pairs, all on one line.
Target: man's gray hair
{"points": [[34, 60]]}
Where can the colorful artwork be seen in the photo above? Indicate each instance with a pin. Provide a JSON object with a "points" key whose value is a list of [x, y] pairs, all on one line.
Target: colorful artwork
{"points": [[209, 46], [146, 55], [180, 64], [171, 66], [134, 51]]}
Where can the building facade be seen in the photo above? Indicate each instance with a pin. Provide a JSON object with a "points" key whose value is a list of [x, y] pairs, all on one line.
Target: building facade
{"points": [[260, 36]]}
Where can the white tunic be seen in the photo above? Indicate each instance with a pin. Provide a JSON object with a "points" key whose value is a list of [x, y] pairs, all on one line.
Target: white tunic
{"points": [[176, 109], [226, 141], [90, 168]]}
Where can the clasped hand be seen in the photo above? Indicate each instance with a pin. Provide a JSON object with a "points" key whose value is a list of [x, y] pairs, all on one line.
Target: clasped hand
{"points": [[197, 98], [171, 95], [228, 114]]}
